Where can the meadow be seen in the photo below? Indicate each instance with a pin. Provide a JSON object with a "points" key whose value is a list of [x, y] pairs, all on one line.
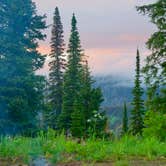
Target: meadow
{"points": [[59, 149]]}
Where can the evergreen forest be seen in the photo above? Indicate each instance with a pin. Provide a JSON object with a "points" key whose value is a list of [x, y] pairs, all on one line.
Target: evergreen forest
{"points": [[72, 117]]}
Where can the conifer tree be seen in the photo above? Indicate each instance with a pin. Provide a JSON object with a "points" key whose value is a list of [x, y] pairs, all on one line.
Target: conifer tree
{"points": [[86, 93], [20, 88], [96, 99], [138, 105], [155, 68], [155, 71], [80, 99], [90, 100], [57, 65], [72, 77], [78, 119], [125, 120]]}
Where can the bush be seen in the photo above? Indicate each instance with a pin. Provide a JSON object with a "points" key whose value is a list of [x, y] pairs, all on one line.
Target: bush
{"points": [[155, 125]]}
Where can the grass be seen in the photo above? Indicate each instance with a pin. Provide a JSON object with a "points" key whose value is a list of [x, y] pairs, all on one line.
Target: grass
{"points": [[60, 149]]}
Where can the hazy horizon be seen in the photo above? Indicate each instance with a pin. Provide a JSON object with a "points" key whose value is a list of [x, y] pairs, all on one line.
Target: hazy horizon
{"points": [[110, 32]]}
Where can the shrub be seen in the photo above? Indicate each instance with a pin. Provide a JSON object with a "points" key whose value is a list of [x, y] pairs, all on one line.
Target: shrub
{"points": [[155, 125]]}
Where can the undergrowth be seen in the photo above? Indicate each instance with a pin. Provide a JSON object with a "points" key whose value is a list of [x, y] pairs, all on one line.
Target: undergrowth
{"points": [[62, 149]]}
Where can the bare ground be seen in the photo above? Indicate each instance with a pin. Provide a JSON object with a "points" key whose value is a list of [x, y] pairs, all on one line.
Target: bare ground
{"points": [[109, 163], [118, 163]]}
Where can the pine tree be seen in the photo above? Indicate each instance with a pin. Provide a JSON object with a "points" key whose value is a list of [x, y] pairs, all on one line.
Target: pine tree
{"points": [[78, 119], [20, 88], [72, 77], [91, 100], [57, 65], [155, 68], [137, 111], [86, 93], [80, 99], [82, 102], [96, 99], [125, 120], [155, 71]]}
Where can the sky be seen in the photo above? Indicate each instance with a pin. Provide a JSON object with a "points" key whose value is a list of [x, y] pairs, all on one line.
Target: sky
{"points": [[110, 32]]}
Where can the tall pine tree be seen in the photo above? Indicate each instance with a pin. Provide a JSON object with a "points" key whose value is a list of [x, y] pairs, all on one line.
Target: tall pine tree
{"points": [[72, 77], [138, 105], [80, 99], [20, 89], [57, 65]]}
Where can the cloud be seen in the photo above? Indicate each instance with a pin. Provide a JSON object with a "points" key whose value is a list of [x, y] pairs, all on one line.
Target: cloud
{"points": [[115, 61], [112, 61], [110, 31]]}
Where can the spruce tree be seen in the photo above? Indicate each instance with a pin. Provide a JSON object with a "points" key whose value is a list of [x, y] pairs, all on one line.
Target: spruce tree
{"points": [[80, 99], [138, 105], [155, 71], [86, 93], [125, 120], [92, 98], [57, 65], [155, 68], [72, 77], [78, 119], [20, 88]]}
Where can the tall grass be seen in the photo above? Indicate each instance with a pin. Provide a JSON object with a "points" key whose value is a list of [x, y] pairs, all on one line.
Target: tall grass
{"points": [[58, 148]]}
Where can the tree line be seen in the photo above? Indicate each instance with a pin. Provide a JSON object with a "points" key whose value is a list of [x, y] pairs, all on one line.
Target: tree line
{"points": [[68, 101], [71, 103]]}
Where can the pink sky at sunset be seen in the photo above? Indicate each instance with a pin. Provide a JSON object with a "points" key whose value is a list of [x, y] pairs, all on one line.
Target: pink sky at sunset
{"points": [[110, 32]]}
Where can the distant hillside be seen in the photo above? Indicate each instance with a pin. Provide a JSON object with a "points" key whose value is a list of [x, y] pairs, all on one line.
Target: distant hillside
{"points": [[115, 90]]}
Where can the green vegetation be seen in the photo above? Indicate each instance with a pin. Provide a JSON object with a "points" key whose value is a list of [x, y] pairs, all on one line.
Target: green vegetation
{"points": [[137, 112], [21, 90], [80, 99], [57, 65], [155, 68], [60, 149], [125, 120], [155, 72], [71, 103]]}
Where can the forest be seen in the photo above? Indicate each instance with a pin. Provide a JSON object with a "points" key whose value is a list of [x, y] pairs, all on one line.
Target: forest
{"points": [[72, 118]]}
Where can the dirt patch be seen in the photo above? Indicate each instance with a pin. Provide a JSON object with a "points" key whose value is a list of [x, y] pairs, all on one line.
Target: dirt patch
{"points": [[71, 164], [10, 162], [118, 163], [109, 163], [148, 163]]}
